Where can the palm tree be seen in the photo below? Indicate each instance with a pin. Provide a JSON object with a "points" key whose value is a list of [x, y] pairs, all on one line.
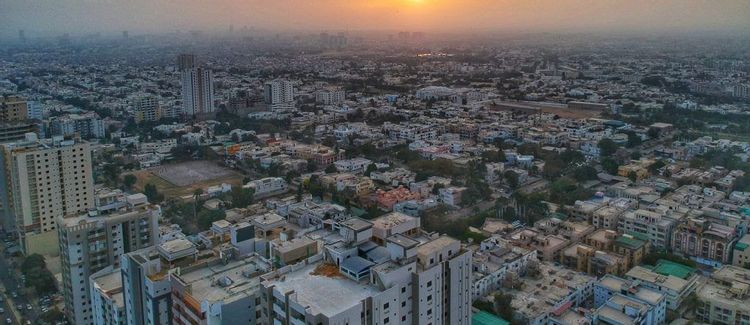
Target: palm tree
{"points": [[196, 194]]}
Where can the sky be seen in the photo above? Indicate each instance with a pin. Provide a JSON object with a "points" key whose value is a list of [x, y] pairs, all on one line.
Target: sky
{"points": [[91, 16]]}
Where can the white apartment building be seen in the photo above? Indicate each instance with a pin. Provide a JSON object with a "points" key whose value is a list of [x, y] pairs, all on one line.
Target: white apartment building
{"points": [[655, 226], [91, 242], [107, 303], [267, 186], [197, 91], [330, 96], [355, 165], [419, 280], [279, 92], [43, 180]]}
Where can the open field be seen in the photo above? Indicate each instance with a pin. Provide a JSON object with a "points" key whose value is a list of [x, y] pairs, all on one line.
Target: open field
{"points": [[182, 179]]}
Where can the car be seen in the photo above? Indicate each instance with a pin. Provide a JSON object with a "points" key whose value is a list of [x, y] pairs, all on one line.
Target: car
{"points": [[19, 307], [14, 294], [28, 307], [2, 310], [8, 321]]}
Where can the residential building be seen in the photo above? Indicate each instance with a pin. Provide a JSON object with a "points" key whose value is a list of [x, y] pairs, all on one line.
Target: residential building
{"points": [[88, 125], [267, 186], [146, 109], [279, 92], [219, 291], [654, 226], [91, 242], [724, 298], [197, 91], [610, 291], [676, 286], [43, 180], [107, 303], [707, 242]]}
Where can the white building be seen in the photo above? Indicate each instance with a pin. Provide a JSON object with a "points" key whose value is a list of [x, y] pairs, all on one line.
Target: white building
{"points": [[267, 186], [197, 91], [91, 242], [107, 302], [330, 96], [355, 165], [279, 92]]}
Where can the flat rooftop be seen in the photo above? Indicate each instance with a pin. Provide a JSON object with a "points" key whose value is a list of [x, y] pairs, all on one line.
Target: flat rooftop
{"points": [[222, 282], [323, 294]]}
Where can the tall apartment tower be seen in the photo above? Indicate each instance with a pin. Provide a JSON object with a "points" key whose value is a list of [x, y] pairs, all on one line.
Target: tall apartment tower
{"points": [[92, 242], [279, 92], [44, 180], [146, 109], [147, 291], [185, 62], [197, 91]]}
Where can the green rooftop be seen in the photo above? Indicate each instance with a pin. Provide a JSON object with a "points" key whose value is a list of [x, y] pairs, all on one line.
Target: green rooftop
{"points": [[485, 318], [629, 242], [681, 271], [741, 246]]}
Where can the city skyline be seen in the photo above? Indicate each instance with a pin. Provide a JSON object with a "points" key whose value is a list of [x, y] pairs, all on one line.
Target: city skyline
{"points": [[51, 18]]}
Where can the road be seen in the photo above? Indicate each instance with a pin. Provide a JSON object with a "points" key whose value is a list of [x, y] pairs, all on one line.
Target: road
{"points": [[11, 284]]}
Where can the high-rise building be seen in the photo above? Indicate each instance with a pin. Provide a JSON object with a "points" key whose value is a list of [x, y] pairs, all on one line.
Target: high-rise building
{"points": [[41, 181], [279, 92], [197, 91], [91, 242], [416, 279], [145, 277], [17, 118], [146, 109], [107, 303], [13, 109], [185, 62], [87, 125]]}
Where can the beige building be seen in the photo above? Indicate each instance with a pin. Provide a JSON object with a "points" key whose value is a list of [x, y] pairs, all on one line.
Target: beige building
{"points": [[146, 109], [741, 255], [724, 298], [13, 109], [44, 180]]}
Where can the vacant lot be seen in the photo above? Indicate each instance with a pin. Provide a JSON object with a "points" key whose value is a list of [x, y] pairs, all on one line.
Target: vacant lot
{"points": [[177, 180]]}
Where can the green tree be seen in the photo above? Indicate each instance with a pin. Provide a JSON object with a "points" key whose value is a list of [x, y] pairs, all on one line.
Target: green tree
{"points": [[152, 193], [129, 180], [242, 197], [584, 173], [511, 178], [370, 168], [607, 147], [632, 176], [610, 166], [330, 169]]}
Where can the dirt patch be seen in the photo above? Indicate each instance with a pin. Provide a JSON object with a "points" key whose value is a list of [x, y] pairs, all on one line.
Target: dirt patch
{"points": [[177, 180], [327, 270]]}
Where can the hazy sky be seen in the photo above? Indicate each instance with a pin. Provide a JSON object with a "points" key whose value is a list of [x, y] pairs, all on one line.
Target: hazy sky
{"points": [[87, 16]]}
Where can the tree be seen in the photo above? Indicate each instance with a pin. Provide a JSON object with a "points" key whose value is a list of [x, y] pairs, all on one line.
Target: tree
{"points": [[610, 166], [511, 178], [633, 176], [152, 193], [330, 169], [242, 197], [584, 173], [37, 274], [196, 195], [607, 147], [370, 168], [129, 180]]}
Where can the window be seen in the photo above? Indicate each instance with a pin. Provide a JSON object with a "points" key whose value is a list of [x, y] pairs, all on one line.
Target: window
{"points": [[386, 320], [386, 305], [403, 289], [429, 283]]}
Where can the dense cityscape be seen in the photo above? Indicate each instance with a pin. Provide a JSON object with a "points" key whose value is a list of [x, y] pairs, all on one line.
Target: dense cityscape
{"points": [[243, 176]]}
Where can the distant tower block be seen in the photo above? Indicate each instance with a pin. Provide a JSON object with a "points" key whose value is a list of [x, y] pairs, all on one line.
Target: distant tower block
{"points": [[125, 34], [22, 35], [185, 62]]}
